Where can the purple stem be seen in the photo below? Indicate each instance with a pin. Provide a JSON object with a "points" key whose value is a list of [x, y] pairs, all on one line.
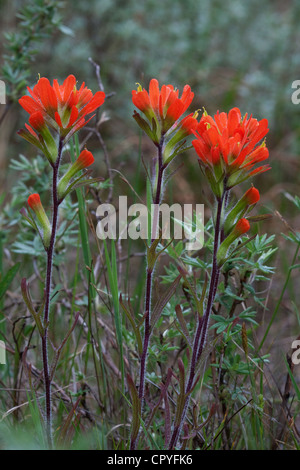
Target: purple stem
{"points": [[201, 332], [50, 251]]}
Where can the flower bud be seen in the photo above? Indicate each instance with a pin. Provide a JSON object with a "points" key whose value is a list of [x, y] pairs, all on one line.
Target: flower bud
{"points": [[183, 129], [249, 198], [84, 160], [241, 227], [34, 202]]}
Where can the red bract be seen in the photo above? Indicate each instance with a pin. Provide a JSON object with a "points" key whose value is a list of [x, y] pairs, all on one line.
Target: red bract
{"points": [[228, 144], [189, 124], [63, 107], [163, 105], [37, 121]]}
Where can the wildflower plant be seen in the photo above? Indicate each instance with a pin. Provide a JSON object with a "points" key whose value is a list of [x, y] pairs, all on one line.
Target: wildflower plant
{"points": [[229, 147], [168, 129], [56, 112]]}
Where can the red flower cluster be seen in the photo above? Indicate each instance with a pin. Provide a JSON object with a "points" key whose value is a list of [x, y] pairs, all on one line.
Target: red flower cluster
{"points": [[227, 144], [165, 105], [62, 107]]}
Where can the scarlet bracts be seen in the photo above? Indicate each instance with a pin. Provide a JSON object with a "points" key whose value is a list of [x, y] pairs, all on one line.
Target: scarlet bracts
{"points": [[228, 145], [164, 106], [62, 107], [43, 138]]}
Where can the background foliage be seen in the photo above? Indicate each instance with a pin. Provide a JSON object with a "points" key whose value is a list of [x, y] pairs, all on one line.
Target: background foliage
{"points": [[243, 54]]}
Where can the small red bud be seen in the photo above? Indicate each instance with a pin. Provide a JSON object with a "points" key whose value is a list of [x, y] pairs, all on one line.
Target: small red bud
{"points": [[85, 159], [34, 201], [242, 227], [252, 196]]}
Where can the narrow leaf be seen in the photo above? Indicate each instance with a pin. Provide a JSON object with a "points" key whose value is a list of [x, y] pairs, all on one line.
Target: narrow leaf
{"points": [[163, 300], [136, 408]]}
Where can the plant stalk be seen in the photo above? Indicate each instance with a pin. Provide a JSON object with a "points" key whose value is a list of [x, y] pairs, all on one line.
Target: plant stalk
{"points": [[202, 327], [149, 282], [48, 282]]}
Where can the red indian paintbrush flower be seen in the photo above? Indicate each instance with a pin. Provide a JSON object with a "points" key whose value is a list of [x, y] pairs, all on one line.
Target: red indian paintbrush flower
{"points": [[228, 144], [62, 107], [164, 106]]}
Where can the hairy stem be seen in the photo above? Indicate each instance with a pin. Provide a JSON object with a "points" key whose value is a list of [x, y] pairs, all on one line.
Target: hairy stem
{"points": [[202, 327], [48, 282]]}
